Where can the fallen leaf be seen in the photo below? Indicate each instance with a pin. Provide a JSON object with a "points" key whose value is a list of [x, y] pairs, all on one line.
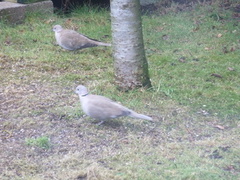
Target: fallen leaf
{"points": [[219, 127], [176, 50], [208, 48], [165, 37], [7, 42], [225, 50], [182, 59], [229, 168], [195, 59], [159, 28], [232, 49], [216, 75], [196, 29], [50, 21], [231, 69], [125, 141]]}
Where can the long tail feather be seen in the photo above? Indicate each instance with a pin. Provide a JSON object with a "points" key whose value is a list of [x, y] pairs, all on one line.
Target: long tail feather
{"points": [[140, 116], [103, 44]]}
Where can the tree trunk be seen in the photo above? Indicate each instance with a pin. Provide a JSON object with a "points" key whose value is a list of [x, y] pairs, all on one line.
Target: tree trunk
{"points": [[131, 67]]}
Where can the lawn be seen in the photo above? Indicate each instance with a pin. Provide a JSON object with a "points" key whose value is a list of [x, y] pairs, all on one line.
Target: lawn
{"points": [[193, 57]]}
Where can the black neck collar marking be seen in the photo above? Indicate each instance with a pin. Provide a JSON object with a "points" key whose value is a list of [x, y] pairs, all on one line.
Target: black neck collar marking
{"points": [[84, 95]]}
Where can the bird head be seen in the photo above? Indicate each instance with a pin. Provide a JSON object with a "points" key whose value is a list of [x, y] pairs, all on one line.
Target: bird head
{"points": [[57, 28], [81, 90]]}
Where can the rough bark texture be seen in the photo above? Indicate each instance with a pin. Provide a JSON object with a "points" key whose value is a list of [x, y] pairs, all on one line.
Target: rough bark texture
{"points": [[131, 67]]}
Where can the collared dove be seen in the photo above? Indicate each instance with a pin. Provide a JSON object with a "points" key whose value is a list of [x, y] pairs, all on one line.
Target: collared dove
{"points": [[72, 40], [102, 108]]}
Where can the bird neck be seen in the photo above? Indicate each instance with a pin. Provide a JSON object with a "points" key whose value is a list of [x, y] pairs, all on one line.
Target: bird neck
{"points": [[84, 95]]}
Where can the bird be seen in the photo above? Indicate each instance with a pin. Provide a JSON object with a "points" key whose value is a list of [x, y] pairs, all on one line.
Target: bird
{"points": [[72, 40], [102, 108]]}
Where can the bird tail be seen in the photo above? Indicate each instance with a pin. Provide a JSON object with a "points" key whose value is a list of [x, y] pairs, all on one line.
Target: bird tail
{"points": [[97, 42], [103, 44], [140, 116]]}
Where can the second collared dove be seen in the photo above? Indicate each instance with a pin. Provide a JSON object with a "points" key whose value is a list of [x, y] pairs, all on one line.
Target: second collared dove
{"points": [[102, 108], [72, 40]]}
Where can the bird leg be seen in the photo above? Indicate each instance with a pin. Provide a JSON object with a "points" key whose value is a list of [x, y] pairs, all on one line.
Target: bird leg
{"points": [[101, 122]]}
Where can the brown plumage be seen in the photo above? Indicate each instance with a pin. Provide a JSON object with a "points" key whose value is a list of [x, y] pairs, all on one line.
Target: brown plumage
{"points": [[72, 40]]}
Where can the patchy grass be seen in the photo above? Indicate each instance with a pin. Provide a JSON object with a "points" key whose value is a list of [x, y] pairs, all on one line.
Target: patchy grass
{"points": [[194, 65], [41, 142], [197, 59]]}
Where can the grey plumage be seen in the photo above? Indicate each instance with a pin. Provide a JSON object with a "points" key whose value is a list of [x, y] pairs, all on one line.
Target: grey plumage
{"points": [[102, 108], [72, 40]]}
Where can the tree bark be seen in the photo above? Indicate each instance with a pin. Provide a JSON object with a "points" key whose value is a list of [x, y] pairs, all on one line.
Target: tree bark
{"points": [[131, 67]]}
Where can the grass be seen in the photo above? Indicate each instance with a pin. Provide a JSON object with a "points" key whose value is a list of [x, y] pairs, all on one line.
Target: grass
{"points": [[41, 142], [189, 42], [193, 62]]}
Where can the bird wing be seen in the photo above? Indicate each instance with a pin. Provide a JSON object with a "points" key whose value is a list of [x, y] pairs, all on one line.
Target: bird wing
{"points": [[74, 40], [103, 108]]}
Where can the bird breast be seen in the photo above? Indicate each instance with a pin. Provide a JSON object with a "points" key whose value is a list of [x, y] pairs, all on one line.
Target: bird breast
{"points": [[58, 38]]}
